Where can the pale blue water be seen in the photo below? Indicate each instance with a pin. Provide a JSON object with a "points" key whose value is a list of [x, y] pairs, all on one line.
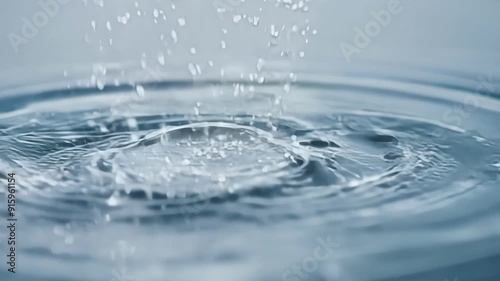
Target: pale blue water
{"points": [[214, 184], [213, 164]]}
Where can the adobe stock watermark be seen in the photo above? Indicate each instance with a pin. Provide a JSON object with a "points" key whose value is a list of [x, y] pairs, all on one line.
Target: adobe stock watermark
{"points": [[322, 252], [459, 112], [372, 29], [119, 256], [198, 204], [31, 26]]}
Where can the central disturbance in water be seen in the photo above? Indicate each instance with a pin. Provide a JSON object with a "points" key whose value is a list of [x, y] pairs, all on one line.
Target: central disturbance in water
{"points": [[200, 157], [161, 174]]}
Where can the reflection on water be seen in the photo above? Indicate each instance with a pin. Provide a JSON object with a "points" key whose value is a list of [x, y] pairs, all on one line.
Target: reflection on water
{"points": [[232, 179], [245, 140]]}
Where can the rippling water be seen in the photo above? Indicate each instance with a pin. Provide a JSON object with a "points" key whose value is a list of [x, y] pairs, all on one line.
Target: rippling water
{"points": [[239, 179]]}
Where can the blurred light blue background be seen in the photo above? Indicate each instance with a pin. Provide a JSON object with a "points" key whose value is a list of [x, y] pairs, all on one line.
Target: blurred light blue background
{"points": [[457, 34]]}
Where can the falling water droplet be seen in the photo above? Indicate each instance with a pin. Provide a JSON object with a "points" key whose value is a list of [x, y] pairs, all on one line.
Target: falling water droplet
{"points": [[222, 178], [167, 160], [174, 36], [161, 58], [254, 21], [192, 69], [260, 64], [113, 200], [100, 84], [237, 18], [140, 90], [132, 124]]}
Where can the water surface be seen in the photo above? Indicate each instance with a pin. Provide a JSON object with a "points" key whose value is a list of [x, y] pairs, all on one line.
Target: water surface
{"points": [[189, 179]]}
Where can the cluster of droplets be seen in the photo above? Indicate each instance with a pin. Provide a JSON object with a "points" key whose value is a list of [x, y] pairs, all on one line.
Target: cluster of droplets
{"points": [[125, 18], [286, 40], [292, 38]]}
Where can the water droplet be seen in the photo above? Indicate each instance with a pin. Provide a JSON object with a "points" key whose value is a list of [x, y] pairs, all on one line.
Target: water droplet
{"points": [[161, 58], [192, 69], [254, 21], [287, 87], [140, 90], [132, 124], [113, 200], [100, 84], [174, 36], [167, 160], [260, 64], [274, 32], [222, 178]]}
